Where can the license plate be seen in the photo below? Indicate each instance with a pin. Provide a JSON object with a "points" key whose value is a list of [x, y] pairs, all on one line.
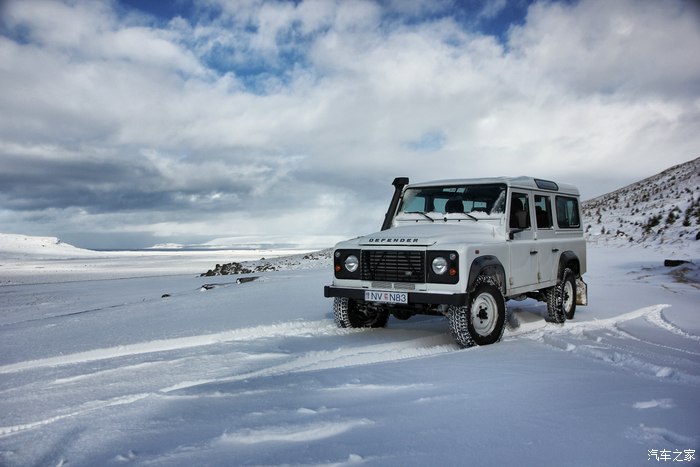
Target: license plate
{"points": [[386, 297]]}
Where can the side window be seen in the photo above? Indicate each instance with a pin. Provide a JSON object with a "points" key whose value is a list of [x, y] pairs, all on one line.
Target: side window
{"points": [[567, 212], [543, 212], [519, 211]]}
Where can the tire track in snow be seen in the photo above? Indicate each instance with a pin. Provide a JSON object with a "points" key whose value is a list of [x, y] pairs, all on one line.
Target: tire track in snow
{"points": [[293, 433], [85, 408], [659, 320], [638, 358], [341, 357], [309, 361], [537, 329], [628, 335], [289, 329], [154, 366], [630, 360]]}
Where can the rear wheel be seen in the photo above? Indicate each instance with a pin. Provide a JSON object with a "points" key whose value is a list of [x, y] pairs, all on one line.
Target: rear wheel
{"points": [[482, 321], [352, 314], [561, 299]]}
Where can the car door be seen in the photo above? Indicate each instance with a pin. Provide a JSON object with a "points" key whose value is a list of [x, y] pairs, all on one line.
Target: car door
{"points": [[523, 248], [545, 236]]}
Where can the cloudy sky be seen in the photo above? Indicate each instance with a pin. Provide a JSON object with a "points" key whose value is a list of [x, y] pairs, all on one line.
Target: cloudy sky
{"points": [[129, 123]]}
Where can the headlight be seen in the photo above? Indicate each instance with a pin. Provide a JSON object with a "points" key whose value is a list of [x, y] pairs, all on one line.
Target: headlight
{"points": [[352, 263], [346, 263], [439, 265]]}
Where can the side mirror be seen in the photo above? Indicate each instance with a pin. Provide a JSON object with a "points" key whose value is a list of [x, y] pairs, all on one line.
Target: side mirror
{"points": [[512, 232]]}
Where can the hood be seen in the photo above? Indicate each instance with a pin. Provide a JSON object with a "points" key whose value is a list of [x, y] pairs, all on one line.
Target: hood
{"points": [[429, 234]]}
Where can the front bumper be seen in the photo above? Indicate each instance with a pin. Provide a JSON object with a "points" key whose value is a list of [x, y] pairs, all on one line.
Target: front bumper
{"points": [[414, 298]]}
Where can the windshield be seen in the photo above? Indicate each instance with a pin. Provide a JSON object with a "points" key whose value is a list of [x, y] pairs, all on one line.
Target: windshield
{"points": [[488, 199]]}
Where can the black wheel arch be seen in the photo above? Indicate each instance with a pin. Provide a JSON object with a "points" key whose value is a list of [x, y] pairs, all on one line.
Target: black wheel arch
{"points": [[568, 259], [487, 265]]}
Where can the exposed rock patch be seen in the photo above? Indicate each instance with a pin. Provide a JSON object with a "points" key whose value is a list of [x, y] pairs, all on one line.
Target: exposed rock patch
{"points": [[315, 260]]}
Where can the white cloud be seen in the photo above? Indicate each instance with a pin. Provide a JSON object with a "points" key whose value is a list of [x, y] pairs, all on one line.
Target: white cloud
{"points": [[147, 48], [341, 98], [626, 46], [60, 25]]}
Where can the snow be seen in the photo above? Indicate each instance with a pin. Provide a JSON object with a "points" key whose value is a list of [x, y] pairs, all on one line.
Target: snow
{"points": [[125, 358], [661, 212], [22, 246], [26, 259]]}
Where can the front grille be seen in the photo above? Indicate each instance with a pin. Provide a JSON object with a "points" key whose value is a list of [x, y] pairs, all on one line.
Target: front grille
{"points": [[393, 265], [391, 285]]}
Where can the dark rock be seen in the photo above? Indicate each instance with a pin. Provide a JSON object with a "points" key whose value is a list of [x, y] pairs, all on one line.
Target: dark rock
{"points": [[227, 269], [672, 263], [243, 280]]}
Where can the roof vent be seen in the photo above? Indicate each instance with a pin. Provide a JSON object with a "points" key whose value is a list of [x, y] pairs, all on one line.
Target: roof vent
{"points": [[546, 185]]}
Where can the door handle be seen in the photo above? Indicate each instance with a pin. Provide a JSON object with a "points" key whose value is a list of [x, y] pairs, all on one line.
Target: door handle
{"points": [[555, 250], [533, 252]]}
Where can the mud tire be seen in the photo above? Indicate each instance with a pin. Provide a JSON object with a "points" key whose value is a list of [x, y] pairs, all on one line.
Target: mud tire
{"points": [[482, 321], [351, 314], [561, 299]]}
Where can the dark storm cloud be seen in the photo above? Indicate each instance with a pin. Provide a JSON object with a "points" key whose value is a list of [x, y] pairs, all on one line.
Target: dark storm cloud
{"points": [[99, 186], [40, 183]]}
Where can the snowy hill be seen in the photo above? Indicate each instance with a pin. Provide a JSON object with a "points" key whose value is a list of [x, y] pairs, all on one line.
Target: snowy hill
{"points": [[660, 210], [23, 246]]}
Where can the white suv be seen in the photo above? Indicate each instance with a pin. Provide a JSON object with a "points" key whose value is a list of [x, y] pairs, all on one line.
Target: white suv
{"points": [[461, 248]]}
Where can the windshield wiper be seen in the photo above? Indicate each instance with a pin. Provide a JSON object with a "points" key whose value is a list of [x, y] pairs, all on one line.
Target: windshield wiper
{"points": [[422, 214], [463, 213]]}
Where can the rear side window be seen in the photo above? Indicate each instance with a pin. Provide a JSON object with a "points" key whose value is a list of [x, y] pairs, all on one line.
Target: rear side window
{"points": [[567, 212], [543, 212]]}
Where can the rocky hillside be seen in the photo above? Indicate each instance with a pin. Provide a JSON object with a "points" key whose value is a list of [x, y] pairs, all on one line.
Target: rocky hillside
{"points": [[315, 260], [660, 210]]}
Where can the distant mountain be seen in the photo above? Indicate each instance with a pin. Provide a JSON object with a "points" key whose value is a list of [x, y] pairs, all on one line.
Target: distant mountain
{"points": [[21, 246], [660, 210]]}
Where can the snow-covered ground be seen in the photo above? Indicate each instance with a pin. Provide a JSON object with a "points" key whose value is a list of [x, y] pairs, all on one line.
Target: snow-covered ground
{"points": [[160, 370], [27, 259]]}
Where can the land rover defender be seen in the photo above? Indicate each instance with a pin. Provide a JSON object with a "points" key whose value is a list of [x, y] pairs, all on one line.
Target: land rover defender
{"points": [[462, 248]]}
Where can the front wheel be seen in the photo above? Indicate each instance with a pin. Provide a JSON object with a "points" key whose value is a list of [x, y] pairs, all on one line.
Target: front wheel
{"points": [[561, 299], [352, 314], [482, 321]]}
